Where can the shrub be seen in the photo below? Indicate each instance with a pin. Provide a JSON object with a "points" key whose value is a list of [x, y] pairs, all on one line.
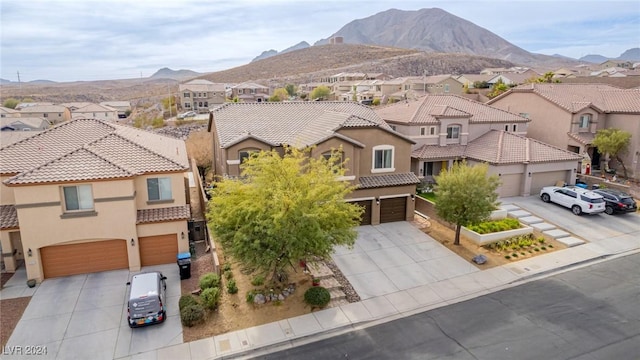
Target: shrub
{"points": [[209, 280], [514, 255], [495, 226], [549, 245], [375, 102], [192, 315], [507, 257], [210, 297], [317, 296], [250, 296], [226, 267], [543, 248], [186, 300], [232, 288], [536, 249], [258, 280], [228, 274]]}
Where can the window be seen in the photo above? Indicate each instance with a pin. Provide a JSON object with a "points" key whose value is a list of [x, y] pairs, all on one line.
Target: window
{"points": [[206, 104], [423, 131], [244, 155], [446, 88], [106, 114], [252, 91], [383, 158], [427, 169], [584, 121], [514, 127], [78, 198], [506, 127], [45, 115], [432, 130], [159, 189], [453, 132], [187, 105], [187, 95]]}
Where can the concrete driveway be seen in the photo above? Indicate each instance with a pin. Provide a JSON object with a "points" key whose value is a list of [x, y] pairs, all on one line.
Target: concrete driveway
{"points": [[85, 317], [619, 231]]}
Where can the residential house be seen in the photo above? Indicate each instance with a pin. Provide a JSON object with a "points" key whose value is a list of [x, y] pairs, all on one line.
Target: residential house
{"points": [[250, 92], [616, 63], [569, 115], [199, 95], [378, 158], [345, 76], [95, 111], [73, 106], [6, 112], [436, 84], [513, 79], [121, 106], [470, 80], [54, 113], [23, 105], [448, 128], [24, 124], [89, 195]]}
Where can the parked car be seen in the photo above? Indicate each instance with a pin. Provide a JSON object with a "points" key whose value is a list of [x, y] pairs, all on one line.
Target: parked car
{"points": [[617, 201], [187, 114], [146, 303], [577, 199]]}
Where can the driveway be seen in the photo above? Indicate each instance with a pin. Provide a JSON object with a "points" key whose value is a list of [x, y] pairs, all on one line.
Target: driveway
{"points": [[620, 231], [84, 317]]}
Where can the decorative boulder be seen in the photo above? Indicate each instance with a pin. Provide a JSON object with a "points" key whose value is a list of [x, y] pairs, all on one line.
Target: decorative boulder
{"points": [[259, 299], [479, 259]]}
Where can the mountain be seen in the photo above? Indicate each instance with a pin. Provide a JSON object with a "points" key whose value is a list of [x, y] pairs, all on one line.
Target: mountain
{"points": [[594, 58], [270, 53], [630, 55], [433, 30], [166, 73]]}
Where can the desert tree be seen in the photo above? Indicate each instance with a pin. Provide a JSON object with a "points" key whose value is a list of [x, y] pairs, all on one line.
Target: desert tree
{"points": [[613, 143], [465, 195], [200, 148], [321, 92], [283, 209], [498, 88], [11, 103], [291, 90]]}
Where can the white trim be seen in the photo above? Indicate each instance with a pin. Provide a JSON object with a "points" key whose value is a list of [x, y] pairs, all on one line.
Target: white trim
{"points": [[346, 178], [360, 199], [233, 162], [373, 158], [377, 171], [393, 196]]}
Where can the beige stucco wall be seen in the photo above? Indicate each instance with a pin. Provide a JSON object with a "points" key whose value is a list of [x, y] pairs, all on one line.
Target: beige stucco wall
{"points": [[163, 228], [177, 190], [630, 123], [375, 137], [6, 193]]}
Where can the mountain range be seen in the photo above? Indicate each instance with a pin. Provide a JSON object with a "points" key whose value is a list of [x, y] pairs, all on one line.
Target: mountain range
{"points": [[629, 55], [270, 53]]}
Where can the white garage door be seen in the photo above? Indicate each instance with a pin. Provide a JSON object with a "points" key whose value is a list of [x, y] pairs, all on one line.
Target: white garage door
{"points": [[511, 185], [540, 180]]}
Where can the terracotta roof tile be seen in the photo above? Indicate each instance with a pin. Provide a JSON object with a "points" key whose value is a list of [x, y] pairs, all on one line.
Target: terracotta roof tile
{"points": [[583, 138], [163, 214], [378, 181], [437, 152], [8, 217]]}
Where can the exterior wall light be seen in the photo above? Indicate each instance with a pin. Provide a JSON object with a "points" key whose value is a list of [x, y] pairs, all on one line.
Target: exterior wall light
{"points": [[29, 252], [133, 242]]}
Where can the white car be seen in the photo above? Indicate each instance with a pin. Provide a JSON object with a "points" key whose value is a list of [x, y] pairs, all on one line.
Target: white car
{"points": [[577, 199], [187, 114]]}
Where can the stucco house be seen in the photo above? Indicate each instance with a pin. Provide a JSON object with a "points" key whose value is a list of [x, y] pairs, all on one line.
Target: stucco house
{"points": [[199, 95], [54, 113], [448, 128], [88, 196], [250, 92], [95, 111], [24, 124], [436, 84], [569, 115], [6, 112], [378, 158]]}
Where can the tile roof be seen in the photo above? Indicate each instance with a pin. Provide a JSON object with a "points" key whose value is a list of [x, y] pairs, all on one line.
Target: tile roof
{"points": [[87, 149], [10, 137], [94, 108], [6, 110], [294, 123], [576, 97], [583, 138], [437, 152], [202, 85], [34, 122], [378, 181], [43, 109], [172, 213], [428, 109], [8, 217]]}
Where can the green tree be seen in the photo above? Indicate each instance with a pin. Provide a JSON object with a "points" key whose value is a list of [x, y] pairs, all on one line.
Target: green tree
{"points": [[274, 98], [11, 103], [613, 143], [291, 89], [283, 209], [498, 88], [321, 92], [466, 195], [281, 94]]}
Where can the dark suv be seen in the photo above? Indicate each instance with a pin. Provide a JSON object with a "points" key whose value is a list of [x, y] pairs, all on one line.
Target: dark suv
{"points": [[617, 201]]}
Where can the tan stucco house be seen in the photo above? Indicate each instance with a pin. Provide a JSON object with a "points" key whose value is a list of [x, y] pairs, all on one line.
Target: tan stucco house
{"points": [[95, 111], [378, 158], [199, 95], [448, 128], [569, 115], [54, 113], [88, 196]]}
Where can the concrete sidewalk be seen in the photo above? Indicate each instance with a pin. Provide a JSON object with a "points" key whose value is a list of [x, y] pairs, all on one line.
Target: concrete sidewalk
{"points": [[427, 278]]}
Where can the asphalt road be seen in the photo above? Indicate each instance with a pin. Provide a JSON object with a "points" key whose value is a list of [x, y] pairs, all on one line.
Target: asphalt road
{"points": [[589, 313]]}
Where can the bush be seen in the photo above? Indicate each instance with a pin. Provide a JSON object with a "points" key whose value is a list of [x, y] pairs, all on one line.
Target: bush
{"points": [[187, 300], [192, 315], [258, 280], [375, 102], [317, 296], [495, 226], [228, 274], [232, 288], [226, 267], [210, 297], [250, 296], [209, 280]]}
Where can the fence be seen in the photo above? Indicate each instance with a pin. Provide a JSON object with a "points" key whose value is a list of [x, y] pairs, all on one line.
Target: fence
{"points": [[427, 209], [211, 244]]}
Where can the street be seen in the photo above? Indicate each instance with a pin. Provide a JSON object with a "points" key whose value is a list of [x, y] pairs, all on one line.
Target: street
{"points": [[588, 313]]}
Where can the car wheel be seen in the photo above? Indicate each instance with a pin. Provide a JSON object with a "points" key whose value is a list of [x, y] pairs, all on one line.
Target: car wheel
{"points": [[576, 210], [608, 210], [545, 197]]}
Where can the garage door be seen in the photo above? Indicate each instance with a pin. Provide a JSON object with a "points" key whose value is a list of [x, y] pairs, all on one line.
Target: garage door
{"points": [[160, 249], [511, 185], [394, 209], [366, 215], [540, 180], [73, 259]]}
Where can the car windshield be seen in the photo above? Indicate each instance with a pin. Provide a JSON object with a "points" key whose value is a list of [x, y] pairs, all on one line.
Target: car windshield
{"points": [[627, 200], [592, 200]]}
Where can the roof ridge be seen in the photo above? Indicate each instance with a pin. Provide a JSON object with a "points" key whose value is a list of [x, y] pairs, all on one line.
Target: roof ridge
{"points": [[500, 140]]}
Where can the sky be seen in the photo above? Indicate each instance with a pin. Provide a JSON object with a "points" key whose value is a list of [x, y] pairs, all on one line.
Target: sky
{"points": [[88, 40]]}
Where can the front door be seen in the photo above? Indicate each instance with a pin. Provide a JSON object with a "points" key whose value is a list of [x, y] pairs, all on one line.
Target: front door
{"points": [[427, 168]]}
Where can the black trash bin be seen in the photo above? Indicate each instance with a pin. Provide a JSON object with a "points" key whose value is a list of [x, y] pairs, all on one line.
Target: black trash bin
{"points": [[184, 263]]}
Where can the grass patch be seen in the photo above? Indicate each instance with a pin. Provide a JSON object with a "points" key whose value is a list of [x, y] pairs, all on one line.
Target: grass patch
{"points": [[431, 196]]}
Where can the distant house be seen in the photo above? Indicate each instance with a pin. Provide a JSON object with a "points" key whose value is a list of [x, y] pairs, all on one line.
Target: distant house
{"points": [[73, 106], [54, 113], [95, 111], [24, 124], [379, 158], [449, 128], [6, 112], [250, 92], [513, 79], [471, 79], [121, 106], [199, 95], [436, 84]]}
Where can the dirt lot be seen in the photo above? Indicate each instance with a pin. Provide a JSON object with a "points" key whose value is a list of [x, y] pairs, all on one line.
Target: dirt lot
{"points": [[10, 312]]}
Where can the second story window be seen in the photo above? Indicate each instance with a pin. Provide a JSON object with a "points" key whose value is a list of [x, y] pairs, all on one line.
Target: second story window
{"points": [[453, 132], [382, 158], [187, 95], [584, 121], [446, 88], [78, 198], [159, 189]]}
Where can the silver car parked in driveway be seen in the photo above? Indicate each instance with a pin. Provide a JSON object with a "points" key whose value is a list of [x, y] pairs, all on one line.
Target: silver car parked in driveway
{"points": [[577, 199]]}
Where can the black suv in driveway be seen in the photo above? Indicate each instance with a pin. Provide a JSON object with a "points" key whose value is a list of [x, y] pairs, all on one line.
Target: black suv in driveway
{"points": [[617, 201]]}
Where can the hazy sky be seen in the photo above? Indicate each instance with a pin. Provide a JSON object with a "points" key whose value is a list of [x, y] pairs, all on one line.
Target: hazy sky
{"points": [[92, 40]]}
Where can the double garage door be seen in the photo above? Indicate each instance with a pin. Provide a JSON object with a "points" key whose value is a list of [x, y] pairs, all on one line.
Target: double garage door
{"points": [[393, 209], [73, 259]]}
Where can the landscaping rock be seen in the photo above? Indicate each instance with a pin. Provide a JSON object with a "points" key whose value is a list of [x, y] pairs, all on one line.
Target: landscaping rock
{"points": [[281, 297], [285, 292], [479, 259], [259, 299]]}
